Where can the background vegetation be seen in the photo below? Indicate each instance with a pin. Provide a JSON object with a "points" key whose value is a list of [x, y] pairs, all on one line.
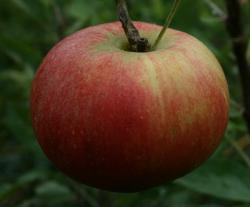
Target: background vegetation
{"points": [[27, 179]]}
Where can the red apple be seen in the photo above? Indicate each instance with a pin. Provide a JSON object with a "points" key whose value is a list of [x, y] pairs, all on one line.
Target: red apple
{"points": [[126, 121]]}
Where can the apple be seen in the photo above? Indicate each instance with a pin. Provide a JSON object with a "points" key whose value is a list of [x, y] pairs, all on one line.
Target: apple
{"points": [[125, 121]]}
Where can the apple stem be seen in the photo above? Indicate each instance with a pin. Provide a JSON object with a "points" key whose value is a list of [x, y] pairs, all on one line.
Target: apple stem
{"points": [[136, 42], [167, 23]]}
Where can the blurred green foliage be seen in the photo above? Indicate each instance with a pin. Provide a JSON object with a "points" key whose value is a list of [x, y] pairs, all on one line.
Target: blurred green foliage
{"points": [[27, 179]]}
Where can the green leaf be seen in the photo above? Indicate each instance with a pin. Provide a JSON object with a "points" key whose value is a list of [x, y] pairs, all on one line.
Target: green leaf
{"points": [[31, 176], [81, 10], [220, 178], [51, 189], [23, 6]]}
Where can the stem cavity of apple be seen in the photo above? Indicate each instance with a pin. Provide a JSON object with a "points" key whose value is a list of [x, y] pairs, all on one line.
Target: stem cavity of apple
{"points": [[136, 42]]}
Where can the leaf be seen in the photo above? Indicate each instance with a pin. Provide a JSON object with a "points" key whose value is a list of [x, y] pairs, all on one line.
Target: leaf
{"points": [[81, 10], [51, 189], [23, 6], [220, 178], [4, 191], [31, 176]]}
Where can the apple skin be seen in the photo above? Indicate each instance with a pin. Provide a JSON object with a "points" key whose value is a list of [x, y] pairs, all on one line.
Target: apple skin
{"points": [[125, 121]]}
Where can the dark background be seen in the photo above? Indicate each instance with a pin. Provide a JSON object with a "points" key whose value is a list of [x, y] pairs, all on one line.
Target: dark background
{"points": [[28, 29]]}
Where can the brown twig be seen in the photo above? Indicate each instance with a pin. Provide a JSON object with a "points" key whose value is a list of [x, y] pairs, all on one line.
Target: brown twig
{"points": [[236, 31], [136, 42]]}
